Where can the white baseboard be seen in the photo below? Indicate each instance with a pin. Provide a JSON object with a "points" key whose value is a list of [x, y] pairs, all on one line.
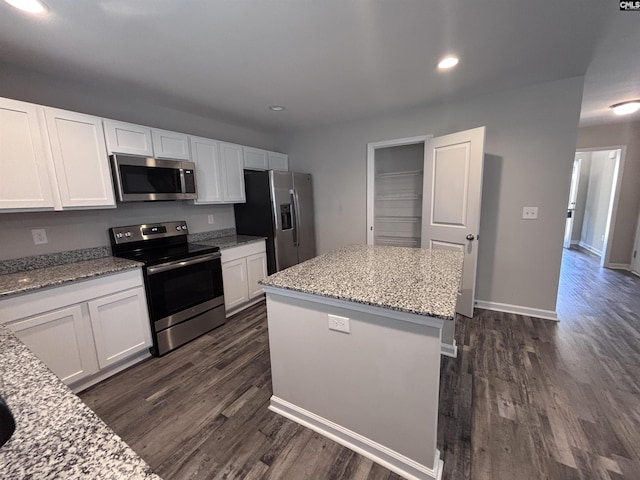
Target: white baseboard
{"points": [[394, 461], [449, 350], [591, 249], [574, 242], [517, 309], [619, 266]]}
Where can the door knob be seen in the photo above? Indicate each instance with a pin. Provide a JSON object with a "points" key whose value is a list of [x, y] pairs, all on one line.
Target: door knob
{"points": [[470, 237]]}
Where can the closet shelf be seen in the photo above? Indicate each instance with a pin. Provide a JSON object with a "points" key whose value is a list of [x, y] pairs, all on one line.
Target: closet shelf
{"points": [[398, 196], [398, 219], [413, 173], [394, 240]]}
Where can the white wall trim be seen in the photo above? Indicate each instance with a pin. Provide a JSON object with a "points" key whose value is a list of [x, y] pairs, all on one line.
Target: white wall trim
{"points": [[614, 201], [366, 447], [449, 350], [589, 248], [371, 174], [619, 266], [518, 309]]}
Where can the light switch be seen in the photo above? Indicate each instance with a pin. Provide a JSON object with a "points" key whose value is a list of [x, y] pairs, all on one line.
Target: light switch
{"points": [[530, 213]]}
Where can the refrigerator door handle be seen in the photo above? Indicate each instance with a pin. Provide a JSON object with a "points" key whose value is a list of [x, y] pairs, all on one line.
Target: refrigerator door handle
{"points": [[294, 205], [296, 212]]}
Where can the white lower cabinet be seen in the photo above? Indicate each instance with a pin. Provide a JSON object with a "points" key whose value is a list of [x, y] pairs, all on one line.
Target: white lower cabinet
{"points": [[62, 340], [242, 268], [85, 331], [120, 325]]}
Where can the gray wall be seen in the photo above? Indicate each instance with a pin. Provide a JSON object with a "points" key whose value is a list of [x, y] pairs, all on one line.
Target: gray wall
{"points": [[598, 200], [613, 135], [83, 229], [88, 228], [529, 150]]}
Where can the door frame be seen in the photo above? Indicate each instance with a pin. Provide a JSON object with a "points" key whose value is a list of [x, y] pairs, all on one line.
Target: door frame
{"points": [[636, 249], [573, 194], [371, 174], [613, 202]]}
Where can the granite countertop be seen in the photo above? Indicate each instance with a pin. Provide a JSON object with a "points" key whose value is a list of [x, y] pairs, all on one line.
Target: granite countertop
{"points": [[412, 280], [230, 241], [22, 282], [57, 435]]}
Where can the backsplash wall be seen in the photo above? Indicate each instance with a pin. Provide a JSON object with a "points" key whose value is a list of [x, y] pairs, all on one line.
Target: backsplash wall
{"points": [[72, 230]]}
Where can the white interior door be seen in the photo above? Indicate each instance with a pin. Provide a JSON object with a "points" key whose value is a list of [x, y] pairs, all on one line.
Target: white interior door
{"points": [[573, 197], [451, 202]]}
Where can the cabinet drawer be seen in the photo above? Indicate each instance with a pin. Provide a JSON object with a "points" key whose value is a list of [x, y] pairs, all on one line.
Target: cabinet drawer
{"points": [[33, 303], [230, 254]]}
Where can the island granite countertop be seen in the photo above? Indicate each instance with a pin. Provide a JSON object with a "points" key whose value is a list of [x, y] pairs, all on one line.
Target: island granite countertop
{"points": [[57, 435], [412, 280], [26, 281], [230, 241]]}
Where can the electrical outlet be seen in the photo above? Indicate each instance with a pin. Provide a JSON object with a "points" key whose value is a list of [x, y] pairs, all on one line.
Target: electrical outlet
{"points": [[210, 219], [530, 213], [339, 324], [39, 236]]}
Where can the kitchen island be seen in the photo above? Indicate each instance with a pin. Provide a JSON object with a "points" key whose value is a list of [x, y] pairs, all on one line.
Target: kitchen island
{"points": [[355, 342]]}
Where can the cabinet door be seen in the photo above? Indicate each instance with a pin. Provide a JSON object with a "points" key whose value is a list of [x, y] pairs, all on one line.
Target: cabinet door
{"points": [[120, 325], [256, 270], [170, 145], [80, 159], [255, 159], [128, 138], [62, 340], [206, 155], [278, 161], [24, 181], [233, 172], [234, 279]]}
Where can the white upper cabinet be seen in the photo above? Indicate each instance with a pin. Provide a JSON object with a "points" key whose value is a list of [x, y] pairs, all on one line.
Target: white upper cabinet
{"points": [[128, 138], [255, 159], [80, 159], [278, 161], [205, 154], [170, 145], [233, 172], [25, 181]]}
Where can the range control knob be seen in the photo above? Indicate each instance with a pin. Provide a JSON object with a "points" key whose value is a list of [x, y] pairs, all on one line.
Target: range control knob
{"points": [[178, 227], [119, 235], [127, 234]]}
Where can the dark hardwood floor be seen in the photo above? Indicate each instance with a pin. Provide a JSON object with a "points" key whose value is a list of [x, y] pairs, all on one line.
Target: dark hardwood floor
{"points": [[525, 398]]}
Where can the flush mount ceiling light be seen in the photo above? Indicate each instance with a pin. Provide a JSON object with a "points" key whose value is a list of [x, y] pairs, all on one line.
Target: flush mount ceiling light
{"points": [[276, 108], [448, 62], [31, 6], [626, 108]]}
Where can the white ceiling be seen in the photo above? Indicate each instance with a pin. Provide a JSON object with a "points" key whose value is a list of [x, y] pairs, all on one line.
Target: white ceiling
{"points": [[325, 60]]}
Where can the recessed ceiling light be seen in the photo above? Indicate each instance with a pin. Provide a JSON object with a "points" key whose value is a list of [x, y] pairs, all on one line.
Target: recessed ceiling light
{"points": [[626, 108], [276, 108], [31, 6], [448, 62]]}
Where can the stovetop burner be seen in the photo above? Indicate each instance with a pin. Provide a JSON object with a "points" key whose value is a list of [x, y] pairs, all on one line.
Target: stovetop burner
{"points": [[155, 243]]}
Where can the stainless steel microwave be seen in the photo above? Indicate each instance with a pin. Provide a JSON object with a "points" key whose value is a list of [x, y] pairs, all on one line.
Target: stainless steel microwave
{"points": [[145, 179]]}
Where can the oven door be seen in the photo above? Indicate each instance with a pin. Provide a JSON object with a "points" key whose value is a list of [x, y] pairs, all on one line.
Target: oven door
{"points": [[183, 289]]}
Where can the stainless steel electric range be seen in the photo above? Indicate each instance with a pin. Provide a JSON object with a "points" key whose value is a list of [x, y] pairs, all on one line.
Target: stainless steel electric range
{"points": [[183, 281]]}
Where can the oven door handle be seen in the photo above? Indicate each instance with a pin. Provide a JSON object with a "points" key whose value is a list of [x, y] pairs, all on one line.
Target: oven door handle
{"points": [[182, 263]]}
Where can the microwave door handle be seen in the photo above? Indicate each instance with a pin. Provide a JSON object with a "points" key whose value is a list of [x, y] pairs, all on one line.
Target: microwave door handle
{"points": [[294, 215], [297, 216], [182, 263]]}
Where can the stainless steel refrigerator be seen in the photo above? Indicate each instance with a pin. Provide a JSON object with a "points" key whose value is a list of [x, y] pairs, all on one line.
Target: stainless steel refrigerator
{"points": [[279, 207]]}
